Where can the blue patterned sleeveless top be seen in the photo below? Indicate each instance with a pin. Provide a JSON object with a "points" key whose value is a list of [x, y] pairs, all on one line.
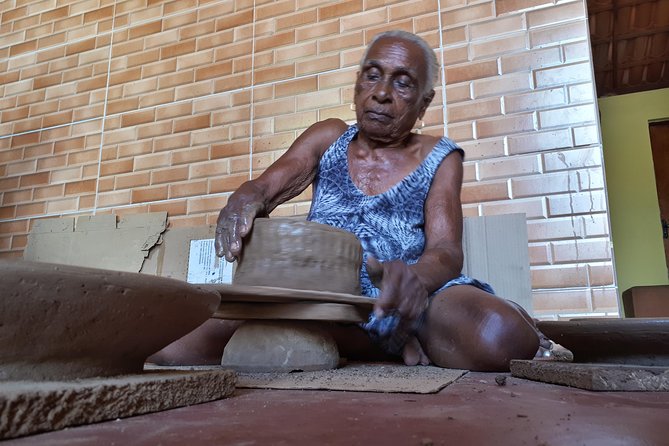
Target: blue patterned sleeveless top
{"points": [[389, 225]]}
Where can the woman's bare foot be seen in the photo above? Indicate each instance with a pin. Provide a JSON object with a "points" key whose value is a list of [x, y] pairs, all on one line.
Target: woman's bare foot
{"points": [[413, 353]]}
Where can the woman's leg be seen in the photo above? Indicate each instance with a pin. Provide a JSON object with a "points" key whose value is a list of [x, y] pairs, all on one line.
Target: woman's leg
{"points": [[467, 328], [202, 346], [354, 343]]}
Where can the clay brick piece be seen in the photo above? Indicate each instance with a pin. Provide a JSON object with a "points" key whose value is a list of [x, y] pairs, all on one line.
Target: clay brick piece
{"points": [[29, 407], [604, 377]]}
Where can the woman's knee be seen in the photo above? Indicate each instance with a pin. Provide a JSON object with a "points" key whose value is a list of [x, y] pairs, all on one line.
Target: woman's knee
{"points": [[504, 335], [471, 329]]}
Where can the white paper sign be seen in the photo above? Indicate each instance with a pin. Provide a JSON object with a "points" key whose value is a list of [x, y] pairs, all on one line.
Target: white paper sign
{"points": [[204, 266]]}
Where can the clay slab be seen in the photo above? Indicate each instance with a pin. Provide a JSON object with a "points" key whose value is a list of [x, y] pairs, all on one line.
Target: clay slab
{"points": [[604, 377], [29, 407], [633, 341], [60, 322]]}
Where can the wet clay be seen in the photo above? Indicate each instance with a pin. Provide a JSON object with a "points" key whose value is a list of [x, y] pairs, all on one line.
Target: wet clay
{"points": [[280, 346], [289, 253], [64, 322]]}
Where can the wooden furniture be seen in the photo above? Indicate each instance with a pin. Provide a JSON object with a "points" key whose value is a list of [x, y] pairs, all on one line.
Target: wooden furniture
{"points": [[646, 301]]}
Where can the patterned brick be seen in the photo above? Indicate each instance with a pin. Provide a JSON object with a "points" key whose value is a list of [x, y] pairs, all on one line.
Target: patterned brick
{"points": [[577, 203], [568, 116], [555, 229], [296, 19], [474, 109], [552, 302], [546, 184], [562, 33], [567, 74], [131, 180], [484, 191], [535, 100], [509, 167], [153, 193], [471, 71], [539, 141], [486, 128], [499, 85], [173, 208], [468, 14], [188, 189], [498, 46]]}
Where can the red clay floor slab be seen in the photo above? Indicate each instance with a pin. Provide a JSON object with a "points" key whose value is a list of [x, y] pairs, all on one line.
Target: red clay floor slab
{"points": [[475, 410]]}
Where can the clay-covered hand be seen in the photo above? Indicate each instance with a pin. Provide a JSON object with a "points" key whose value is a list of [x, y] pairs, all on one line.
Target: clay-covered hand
{"points": [[402, 292], [234, 222]]}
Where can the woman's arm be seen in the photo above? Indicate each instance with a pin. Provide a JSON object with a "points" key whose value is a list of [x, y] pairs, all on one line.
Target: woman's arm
{"points": [[283, 180], [405, 288], [442, 257]]}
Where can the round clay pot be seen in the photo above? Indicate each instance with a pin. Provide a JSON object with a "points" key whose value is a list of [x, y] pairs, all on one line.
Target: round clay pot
{"points": [[61, 322], [300, 254]]}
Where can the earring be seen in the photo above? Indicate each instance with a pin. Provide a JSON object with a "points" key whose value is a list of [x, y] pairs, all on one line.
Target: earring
{"points": [[352, 106], [419, 130]]}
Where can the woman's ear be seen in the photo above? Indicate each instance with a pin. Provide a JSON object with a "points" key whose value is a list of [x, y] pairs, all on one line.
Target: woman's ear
{"points": [[427, 100]]}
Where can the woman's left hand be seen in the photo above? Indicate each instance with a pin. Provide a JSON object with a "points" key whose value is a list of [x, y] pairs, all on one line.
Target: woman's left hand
{"points": [[401, 290]]}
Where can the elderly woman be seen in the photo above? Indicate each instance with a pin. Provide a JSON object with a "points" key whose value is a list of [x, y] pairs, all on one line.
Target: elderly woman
{"points": [[399, 192]]}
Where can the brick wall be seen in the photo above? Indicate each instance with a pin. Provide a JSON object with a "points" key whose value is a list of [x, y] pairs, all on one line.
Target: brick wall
{"points": [[149, 105]]}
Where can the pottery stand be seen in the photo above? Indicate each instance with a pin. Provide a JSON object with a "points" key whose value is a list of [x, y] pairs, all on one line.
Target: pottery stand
{"points": [[284, 329], [284, 260]]}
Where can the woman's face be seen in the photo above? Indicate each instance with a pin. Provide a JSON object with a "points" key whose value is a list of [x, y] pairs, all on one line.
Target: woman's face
{"points": [[389, 90]]}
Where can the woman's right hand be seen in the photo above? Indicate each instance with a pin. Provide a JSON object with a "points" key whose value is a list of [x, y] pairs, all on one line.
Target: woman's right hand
{"points": [[235, 222], [401, 290], [284, 179]]}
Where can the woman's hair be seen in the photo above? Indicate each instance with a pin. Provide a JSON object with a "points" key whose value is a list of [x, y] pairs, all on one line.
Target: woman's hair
{"points": [[428, 54]]}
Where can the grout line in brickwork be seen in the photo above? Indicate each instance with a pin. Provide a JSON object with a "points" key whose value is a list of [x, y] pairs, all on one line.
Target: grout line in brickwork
{"points": [[69, 124], [168, 200], [111, 208], [104, 110], [40, 216], [443, 70], [252, 98]]}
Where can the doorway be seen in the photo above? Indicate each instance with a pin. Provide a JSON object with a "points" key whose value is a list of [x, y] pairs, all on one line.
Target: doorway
{"points": [[659, 142]]}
